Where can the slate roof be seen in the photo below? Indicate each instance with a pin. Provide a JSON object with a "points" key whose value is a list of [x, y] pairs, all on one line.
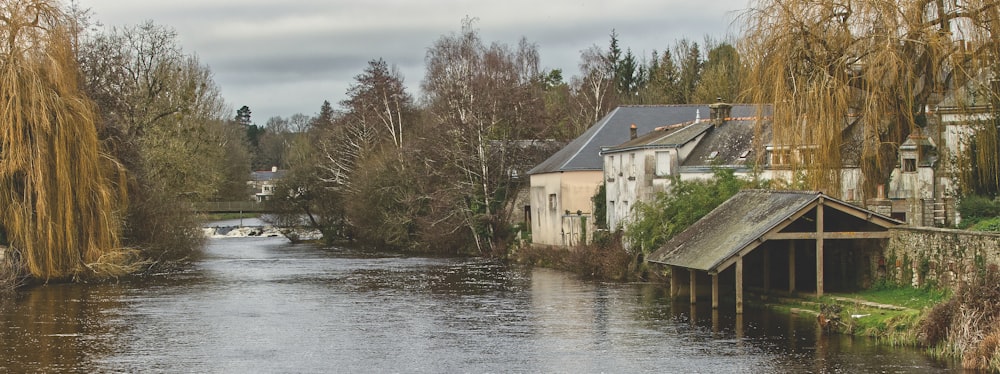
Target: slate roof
{"points": [[734, 225], [266, 175], [724, 145], [583, 153], [664, 137]]}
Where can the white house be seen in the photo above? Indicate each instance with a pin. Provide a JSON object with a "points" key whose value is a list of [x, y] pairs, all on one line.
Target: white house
{"points": [[639, 168], [262, 183]]}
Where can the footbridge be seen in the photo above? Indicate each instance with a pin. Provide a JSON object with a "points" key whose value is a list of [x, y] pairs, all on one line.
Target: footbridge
{"points": [[231, 207]]}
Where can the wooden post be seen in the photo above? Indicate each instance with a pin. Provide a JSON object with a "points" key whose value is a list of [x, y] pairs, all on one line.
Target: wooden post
{"points": [[739, 285], [767, 269], [675, 280], [819, 248], [791, 266], [715, 291], [694, 285]]}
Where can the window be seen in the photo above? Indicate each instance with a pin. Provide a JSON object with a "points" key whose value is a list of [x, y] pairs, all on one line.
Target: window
{"points": [[807, 155], [631, 165], [781, 156], [909, 165], [552, 201], [662, 164]]}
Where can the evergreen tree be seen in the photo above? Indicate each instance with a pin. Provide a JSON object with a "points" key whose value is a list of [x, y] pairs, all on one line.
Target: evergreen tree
{"points": [[325, 119], [662, 87]]}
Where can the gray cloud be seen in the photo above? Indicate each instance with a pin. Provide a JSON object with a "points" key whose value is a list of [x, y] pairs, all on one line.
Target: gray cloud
{"points": [[282, 58]]}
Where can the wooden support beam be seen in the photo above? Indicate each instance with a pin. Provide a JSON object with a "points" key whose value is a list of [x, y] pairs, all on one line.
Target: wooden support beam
{"points": [[791, 266], [828, 235], [694, 285], [766, 254], [739, 285], [675, 282], [819, 248], [715, 291]]}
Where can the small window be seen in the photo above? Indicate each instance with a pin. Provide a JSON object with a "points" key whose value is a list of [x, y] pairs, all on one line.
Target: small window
{"points": [[631, 166], [713, 155], [552, 201], [781, 156], [745, 154], [662, 164], [909, 165]]}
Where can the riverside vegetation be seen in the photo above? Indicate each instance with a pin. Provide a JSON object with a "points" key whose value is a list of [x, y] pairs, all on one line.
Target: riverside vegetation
{"points": [[964, 325]]}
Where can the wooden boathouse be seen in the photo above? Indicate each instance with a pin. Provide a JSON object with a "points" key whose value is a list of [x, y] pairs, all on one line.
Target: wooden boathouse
{"points": [[787, 242]]}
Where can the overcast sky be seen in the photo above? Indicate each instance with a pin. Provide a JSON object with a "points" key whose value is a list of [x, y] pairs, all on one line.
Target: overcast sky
{"points": [[286, 57]]}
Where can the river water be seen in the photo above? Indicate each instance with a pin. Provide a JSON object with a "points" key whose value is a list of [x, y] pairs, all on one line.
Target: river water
{"points": [[262, 305]]}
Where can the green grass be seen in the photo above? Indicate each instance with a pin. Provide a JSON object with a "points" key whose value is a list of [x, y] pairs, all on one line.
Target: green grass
{"points": [[909, 297], [895, 327]]}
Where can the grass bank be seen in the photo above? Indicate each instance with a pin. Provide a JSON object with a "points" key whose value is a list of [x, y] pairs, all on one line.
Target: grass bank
{"points": [[964, 326]]}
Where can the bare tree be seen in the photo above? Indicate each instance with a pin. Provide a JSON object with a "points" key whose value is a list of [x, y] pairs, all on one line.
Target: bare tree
{"points": [[594, 89], [483, 99]]}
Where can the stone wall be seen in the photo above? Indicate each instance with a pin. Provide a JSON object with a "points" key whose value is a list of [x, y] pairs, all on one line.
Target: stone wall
{"points": [[921, 256]]}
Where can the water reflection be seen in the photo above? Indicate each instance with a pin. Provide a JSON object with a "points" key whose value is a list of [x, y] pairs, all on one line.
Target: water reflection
{"points": [[262, 305]]}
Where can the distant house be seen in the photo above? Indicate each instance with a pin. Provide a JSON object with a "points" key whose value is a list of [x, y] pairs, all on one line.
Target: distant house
{"points": [[262, 183], [563, 186]]}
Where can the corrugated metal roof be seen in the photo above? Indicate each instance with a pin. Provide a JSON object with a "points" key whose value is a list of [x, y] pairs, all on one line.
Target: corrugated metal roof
{"points": [[583, 153], [730, 227]]}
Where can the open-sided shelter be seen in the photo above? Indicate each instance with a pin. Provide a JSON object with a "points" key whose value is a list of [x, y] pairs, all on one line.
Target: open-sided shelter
{"points": [[771, 240]]}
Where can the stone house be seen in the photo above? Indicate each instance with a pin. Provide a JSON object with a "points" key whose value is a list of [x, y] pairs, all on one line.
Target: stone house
{"points": [[644, 165], [562, 186]]}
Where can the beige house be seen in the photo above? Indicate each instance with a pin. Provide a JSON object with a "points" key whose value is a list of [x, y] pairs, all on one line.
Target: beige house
{"points": [[563, 186]]}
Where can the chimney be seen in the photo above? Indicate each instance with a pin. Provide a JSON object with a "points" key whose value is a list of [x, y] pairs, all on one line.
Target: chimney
{"points": [[274, 169], [720, 112], [633, 132]]}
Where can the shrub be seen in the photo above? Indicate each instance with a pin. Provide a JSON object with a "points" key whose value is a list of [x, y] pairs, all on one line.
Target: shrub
{"points": [[967, 323], [601, 261], [672, 212], [989, 225], [977, 208]]}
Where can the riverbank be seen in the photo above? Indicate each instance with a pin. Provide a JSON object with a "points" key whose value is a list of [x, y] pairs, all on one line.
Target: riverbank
{"points": [[964, 326]]}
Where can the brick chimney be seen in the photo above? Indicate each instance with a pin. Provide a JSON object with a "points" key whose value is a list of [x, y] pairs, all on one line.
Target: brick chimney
{"points": [[720, 112], [633, 132]]}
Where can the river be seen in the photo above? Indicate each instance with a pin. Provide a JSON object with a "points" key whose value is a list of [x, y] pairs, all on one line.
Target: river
{"points": [[262, 305]]}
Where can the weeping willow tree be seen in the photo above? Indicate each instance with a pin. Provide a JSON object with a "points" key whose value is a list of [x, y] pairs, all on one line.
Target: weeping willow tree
{"points": [[60, 194], [850, 80]]}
